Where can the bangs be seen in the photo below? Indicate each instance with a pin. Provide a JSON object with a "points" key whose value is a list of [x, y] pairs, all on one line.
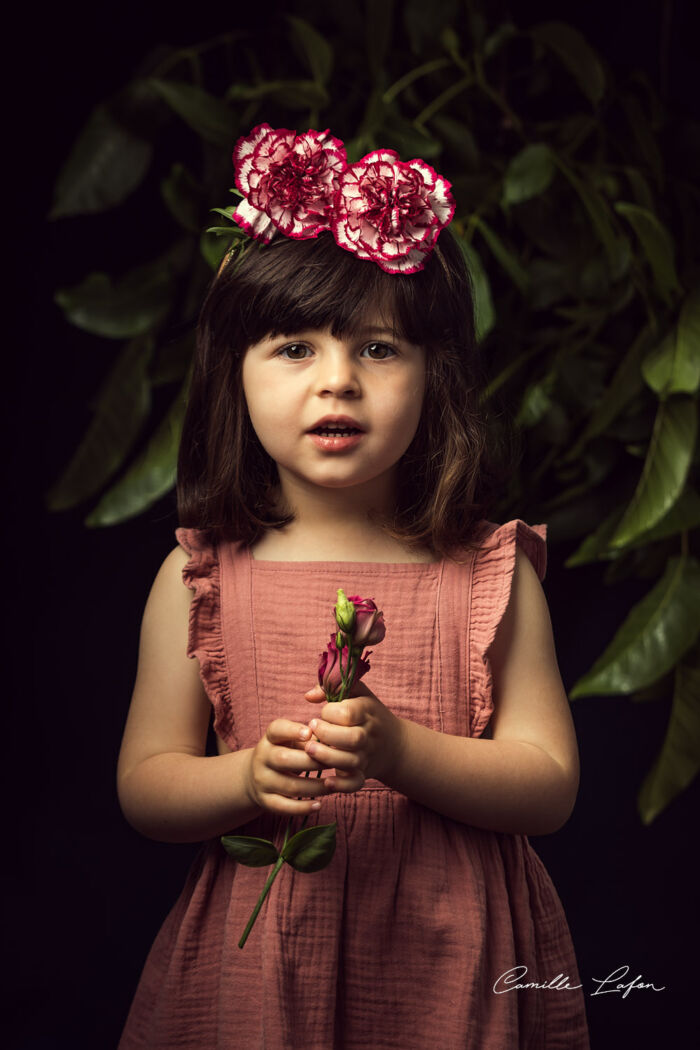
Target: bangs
{"points": [[290, 286], [448, 476]]}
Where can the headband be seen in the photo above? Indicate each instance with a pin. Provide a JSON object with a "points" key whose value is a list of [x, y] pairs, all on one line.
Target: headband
{"points": [[381, 208]]}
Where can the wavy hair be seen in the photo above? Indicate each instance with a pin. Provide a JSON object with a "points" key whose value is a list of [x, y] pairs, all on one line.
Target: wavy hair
{"points": [[458, 460]]}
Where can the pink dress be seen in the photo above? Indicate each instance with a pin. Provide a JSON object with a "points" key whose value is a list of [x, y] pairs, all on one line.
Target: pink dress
{"points": [[398, 943]]}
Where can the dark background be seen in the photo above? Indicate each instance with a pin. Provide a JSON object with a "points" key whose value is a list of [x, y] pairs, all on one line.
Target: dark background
{"points": [[85, 893]]}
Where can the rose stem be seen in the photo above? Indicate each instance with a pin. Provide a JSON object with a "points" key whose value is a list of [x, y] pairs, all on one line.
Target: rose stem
{"points": [[261, 898]]}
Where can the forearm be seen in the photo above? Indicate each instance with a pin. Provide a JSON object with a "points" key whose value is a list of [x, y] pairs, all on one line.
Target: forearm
{"points": [[503, 785], [177, 797]]}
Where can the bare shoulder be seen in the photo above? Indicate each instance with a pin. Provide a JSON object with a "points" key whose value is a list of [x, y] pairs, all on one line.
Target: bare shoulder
{"points": [[174, 563], [527, 611], [168, 583], [169, 708]]}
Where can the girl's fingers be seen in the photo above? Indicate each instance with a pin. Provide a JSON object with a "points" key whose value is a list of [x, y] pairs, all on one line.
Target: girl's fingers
{"points": [[338, 759], [291, 806], [283, 730], [345, 738], [290, 760], [345, 783]]}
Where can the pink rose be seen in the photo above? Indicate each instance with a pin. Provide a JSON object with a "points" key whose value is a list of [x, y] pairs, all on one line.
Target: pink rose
{"points": [[329, 669], [288, 181], [391, 211], [369, 626]]}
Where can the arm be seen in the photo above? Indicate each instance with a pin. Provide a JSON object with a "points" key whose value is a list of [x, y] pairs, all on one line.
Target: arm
{"points": [[522, 781], [168, 788], [525, 779]]}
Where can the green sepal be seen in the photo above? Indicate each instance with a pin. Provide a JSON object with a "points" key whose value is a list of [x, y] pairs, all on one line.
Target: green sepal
{"points": [[312, 848], [250, 851]]}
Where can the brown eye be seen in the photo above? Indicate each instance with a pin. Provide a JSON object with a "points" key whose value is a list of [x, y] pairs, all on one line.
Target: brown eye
{"points": [[379, 351], [294, 351]]}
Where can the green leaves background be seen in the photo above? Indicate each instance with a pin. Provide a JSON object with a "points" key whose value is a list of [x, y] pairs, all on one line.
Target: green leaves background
{"points": [[578, 212]]}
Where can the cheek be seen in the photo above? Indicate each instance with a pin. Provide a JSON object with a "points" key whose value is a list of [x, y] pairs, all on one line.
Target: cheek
{"points": [[414, 396]]}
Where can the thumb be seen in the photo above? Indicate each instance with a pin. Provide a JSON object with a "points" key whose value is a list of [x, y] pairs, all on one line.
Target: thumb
{"points": [[315, 695]]}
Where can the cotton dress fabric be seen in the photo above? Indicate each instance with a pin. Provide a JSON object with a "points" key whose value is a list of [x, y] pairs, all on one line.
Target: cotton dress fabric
{"points": [[398, 943]]}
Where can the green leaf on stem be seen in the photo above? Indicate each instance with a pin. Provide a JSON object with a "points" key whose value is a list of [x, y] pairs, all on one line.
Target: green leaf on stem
{"points": [[250, 851], [122, 407], [654, 636], [673, 367], [150, 476], [625, 384], [204, 113], [312, 848], [657, 245], [576, 54], [213, 245], [292, 94], [529, 173], [683, 516], [665, 469], [315, 51], [507, 259], [127, 308], [104, 166], [679, 759], [484, 313], [183, 197]]}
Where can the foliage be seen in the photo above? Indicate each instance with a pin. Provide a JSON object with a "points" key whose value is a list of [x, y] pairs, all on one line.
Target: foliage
{"points": [[578, 214]]}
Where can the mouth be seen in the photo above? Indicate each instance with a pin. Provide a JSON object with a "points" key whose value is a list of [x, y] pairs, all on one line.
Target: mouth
{"points": [[335, 439], [336, 431], [336, 426]]}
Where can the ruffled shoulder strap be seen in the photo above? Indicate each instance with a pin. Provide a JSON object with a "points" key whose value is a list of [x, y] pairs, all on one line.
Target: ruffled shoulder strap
{"points": [[492, 579], [202, 574]]}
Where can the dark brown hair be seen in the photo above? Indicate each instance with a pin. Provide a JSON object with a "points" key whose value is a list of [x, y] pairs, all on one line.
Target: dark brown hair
{"points": [[450, 473]]}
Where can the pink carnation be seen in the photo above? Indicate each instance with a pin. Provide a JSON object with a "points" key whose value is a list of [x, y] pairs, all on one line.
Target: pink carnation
{"points": [[289, 181], [391, 211]]}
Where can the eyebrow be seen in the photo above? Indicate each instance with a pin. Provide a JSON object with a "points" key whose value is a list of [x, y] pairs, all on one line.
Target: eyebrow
{"points": [[376, 330], [362, 330]]}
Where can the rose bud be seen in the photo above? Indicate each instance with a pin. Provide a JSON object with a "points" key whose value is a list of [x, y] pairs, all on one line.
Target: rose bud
{"points": [[329, 673], [369, 623], [344, 612]]}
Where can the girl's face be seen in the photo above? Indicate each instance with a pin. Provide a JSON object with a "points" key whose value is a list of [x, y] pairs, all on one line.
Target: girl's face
{"points": [[369, 386]]}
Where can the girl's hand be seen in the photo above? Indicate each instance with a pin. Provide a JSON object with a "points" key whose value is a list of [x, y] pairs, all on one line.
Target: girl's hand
{"points": [[277, 761], [359, 737]]}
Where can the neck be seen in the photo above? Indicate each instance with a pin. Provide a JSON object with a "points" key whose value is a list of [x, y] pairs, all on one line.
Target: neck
{"points": [[342, 523]]}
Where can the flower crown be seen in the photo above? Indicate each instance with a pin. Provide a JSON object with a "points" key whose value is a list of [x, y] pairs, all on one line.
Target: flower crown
{"points": [[381, 208]]}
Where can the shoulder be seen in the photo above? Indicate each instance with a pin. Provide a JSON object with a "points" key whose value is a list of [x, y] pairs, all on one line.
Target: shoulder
{"points": [[527, 598], [525, 574], [172, 566], [526, 624], [168, 590]]}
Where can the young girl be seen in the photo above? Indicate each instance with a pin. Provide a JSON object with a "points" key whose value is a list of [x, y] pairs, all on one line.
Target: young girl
{"points": [[435, 922]]}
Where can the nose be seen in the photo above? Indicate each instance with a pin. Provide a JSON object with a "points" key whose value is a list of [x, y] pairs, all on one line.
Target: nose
{"points": [[337, 373]]}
